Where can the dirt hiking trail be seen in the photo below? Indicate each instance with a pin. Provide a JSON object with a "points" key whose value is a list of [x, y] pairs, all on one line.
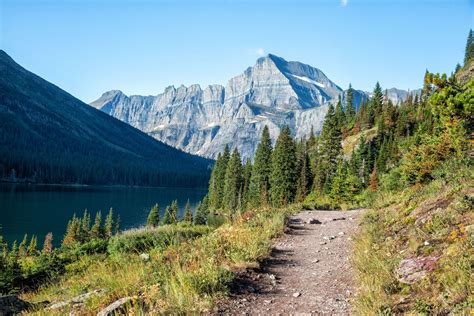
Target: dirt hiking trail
{"points": [[308, 273]]}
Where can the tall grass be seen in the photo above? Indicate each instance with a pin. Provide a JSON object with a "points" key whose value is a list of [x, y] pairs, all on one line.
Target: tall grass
{"points": [[189, 267], [422, 220]]}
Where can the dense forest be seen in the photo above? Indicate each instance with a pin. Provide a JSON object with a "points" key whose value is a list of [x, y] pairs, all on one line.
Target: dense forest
{"points": [[48, 136]]}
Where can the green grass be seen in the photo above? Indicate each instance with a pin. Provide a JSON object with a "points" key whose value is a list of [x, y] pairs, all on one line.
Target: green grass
{"points": [[189, 267], [432, 219]]}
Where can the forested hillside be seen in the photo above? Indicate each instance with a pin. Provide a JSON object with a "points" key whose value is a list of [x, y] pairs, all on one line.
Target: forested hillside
{"points": [[48, 136]]}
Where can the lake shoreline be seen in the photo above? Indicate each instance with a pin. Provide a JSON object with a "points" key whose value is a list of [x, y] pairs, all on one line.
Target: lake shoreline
{"points": [[79, 185]]}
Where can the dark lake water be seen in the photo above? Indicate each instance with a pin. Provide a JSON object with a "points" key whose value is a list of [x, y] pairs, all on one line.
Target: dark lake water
{"points": [[39, 209]]}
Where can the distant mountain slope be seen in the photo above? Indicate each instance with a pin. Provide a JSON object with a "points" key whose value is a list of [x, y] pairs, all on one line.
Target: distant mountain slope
{"points": [[273, 92], [47, 135]]}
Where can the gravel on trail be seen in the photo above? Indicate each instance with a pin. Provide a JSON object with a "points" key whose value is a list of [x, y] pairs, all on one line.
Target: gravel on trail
{"points": [[309, 271]]}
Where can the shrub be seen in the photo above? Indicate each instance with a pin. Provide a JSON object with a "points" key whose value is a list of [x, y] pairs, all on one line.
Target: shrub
{"points": [[141, 240]]}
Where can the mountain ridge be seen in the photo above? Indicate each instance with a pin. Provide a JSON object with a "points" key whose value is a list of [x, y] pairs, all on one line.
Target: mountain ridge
{"points": [[70, 137], [273, 92]]}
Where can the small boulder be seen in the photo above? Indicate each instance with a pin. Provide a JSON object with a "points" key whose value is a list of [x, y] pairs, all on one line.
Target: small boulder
{"points": [[117, 307], [412, 270], [145, 257], [296, 294], [77, 300]]}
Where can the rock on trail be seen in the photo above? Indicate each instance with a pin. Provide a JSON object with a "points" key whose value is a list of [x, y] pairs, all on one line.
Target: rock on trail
{"points": [[308, 272]]}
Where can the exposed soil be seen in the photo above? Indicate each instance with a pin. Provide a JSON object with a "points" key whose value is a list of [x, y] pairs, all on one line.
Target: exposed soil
{"points": [[308, 272]]}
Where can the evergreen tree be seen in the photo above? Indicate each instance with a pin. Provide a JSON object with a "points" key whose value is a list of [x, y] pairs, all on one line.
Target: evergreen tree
{"points": [[171, 213], [469, 53], [216, 183], [14, 250], [72, 231], [375, 104], [109, 224], [260, 177], [283, 176], [174, 211], [340, 116], [188, 213], [458, 67], [48, 243], [32, 247], [247, 170], [153, 219], [96, 230], [22, 247], [329, 151], [233, 183], [311, 139], [85, 225], [202, 212], [305, 177], [338, 184], [350, 109]]}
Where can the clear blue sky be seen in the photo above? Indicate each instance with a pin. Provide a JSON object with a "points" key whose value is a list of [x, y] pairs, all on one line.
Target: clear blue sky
{"points": [[87, 47]]}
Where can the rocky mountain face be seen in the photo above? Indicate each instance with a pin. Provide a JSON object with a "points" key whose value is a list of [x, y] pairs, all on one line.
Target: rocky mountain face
{"points": [[274, 92]]}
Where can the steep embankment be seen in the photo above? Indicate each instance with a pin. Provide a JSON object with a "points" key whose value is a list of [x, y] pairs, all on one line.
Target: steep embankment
{"points": [[415, 252]]}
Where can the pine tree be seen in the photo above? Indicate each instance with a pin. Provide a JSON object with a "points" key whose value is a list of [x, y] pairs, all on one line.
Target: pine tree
{"points": [[48, 243], [375, 104], [32, 247], [329, 152], [96, 230], [153, 219], [233, 183], [352, 186], [350, 109], [202, 212], [247, 170], [458, 68], [72, 231], [305, 177], [338, 185], [109, 224], [188, 213], [216, 183], [22, 247], [311, 139], [469, 53], [340, 116], [260, 178], [85, 225], [283, 176], [171, 213], [14, 251]]}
